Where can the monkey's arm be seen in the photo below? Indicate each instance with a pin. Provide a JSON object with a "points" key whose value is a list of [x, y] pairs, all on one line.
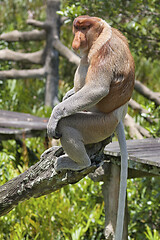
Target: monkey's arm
{"points": [[92, 92], [123, 181], [69, 94]]}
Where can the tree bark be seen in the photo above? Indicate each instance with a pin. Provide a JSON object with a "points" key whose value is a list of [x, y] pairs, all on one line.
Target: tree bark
{"points": [[52, 55], [146, 92], [111, 193], [41, 178], [35, 57], [144, 113], [44, 25], [135, 130], [20, 74], [66, 52], [16, 134], [14, 36], [137, 107]]}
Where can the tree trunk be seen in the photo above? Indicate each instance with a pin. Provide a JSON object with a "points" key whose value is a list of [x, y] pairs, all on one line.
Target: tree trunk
{"points": [[52, 55]]}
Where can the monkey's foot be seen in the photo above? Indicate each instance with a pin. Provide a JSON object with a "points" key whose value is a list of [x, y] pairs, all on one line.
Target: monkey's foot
{"points": [[64, 163], [51, 150]]}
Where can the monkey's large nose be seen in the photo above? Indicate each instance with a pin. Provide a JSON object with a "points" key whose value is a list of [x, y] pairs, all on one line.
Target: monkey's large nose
{"points": [[76, 44]]}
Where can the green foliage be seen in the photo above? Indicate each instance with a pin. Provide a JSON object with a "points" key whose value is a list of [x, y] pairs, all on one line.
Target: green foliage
{"points": [[144, 205], [6, 172], [18, 10], [22, 95], [74, 212], [150, 236], [138, 20]]}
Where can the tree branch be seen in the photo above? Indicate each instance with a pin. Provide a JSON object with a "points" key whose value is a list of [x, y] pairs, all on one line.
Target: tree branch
{"points": [[137, 107], [66, 52], [146, 92], [19, 74], [14, 36], [35, 57], [144, 113], [44, 25], [41, 178], [135, 130]]}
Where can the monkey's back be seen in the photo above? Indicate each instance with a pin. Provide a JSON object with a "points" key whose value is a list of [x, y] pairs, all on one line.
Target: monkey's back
{"points": [[119, 58]]}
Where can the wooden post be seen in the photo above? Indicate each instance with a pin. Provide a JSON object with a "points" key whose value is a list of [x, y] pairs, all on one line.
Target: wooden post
{"points": [[52, 55], [110, 191]]}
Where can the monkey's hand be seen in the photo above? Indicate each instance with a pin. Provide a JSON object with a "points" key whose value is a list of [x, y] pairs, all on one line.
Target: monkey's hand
{"points": [[68, 94], [53, 123]]}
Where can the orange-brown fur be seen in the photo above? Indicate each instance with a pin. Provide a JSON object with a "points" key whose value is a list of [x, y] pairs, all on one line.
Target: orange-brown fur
{"points": [[115, 56]]}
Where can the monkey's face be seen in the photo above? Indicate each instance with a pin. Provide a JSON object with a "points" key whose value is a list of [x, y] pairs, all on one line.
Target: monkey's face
{"points": [[86, 30]]}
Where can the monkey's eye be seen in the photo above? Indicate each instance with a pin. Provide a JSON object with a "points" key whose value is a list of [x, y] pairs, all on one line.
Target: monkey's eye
{"points": [[76, 27], [84, 28]]}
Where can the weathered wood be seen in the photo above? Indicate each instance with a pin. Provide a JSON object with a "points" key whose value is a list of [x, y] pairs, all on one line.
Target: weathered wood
{"points": [[5, 122], [35, 57], [146, 92], [14, 36], [44, 25], [144, 155], [52, 55], [110, 191], [144, 113], [21, 74], [66, 52], [8, 133], [22, 120], [21, 116], [11, 124], [135, 130]]}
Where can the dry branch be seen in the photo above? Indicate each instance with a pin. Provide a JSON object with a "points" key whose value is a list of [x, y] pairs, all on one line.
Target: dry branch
{"points": [[135, 130], [14, 36], [66, 52], [144, 113], [44, 25], [137, 107], [35, 57], [41, 178], [146, 92], [19, 74]]}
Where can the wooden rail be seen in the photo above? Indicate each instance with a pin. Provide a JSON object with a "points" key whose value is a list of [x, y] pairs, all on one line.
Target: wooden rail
{"points": [[14, 125], [144, 155]]}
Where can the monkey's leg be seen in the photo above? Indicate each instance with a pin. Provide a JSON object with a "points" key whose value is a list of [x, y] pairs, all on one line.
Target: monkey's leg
{"points": [[73, 145], [78, 130]]}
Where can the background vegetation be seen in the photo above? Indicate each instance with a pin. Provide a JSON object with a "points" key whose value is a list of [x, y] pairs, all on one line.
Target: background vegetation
{"points": [[76, 212]]}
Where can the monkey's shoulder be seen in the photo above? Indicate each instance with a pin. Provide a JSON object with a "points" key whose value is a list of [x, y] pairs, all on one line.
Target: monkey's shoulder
{"points": [[119, 36], [115, 52], [117, 44]]}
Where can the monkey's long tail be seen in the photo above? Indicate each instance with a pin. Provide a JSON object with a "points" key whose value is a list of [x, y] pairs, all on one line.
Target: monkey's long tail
{"points": [[123, 180]]}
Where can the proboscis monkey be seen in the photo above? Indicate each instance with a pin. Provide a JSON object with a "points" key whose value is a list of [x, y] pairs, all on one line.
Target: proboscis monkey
{"points": [[95, 108]]}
